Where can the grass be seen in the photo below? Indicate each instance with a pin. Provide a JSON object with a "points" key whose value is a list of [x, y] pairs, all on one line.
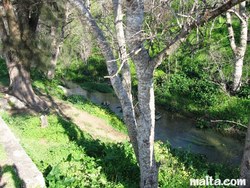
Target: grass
{"points": [[98, 111], [50, 88], [69, 157], [93, 86]]}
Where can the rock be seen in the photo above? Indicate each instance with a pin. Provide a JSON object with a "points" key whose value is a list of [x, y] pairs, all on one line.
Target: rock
{"points": [[65, 90], [15, 102], [74, 91], [27, 170], [44, 121], [4, 104]]}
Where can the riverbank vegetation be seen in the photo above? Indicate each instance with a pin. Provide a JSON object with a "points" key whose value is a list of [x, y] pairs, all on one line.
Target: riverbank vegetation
{"points": [[69, 157], [189, 57]]}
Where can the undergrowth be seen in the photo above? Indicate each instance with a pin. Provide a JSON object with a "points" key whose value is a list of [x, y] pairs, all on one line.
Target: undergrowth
{"points": [[69, 157]]}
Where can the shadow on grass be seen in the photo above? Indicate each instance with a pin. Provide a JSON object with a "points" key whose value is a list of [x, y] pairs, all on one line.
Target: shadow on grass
{"points": [[6, 182], [116, 159]]}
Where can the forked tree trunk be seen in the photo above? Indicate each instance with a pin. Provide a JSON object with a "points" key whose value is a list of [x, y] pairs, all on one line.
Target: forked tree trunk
{"points": [[20, 82], [143, 126], [245, 164], [146, 99], [146, 126]]}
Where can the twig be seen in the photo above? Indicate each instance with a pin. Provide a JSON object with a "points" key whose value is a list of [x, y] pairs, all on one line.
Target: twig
{"points": [[228, 121]]}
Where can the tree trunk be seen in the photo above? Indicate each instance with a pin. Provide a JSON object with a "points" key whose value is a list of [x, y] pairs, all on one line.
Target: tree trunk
{"points": [[245, 164], [237, 73], [240, 50], [143, 126], [146, 126], [146, 100], [17, 29], [55, 53], [20, 82], [57, 38]]}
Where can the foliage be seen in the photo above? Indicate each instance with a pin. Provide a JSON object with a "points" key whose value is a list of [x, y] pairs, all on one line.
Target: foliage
{"points": [[179, 166], [93, 86], [69, 157], [197, 75], [93, 69]]}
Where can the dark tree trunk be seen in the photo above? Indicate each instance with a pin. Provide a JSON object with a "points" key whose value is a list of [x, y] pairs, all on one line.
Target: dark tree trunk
{"points": [[17, 30], [20, 82], [245, 164]]}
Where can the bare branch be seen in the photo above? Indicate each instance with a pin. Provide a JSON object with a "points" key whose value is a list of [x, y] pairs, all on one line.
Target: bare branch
{"points": [[186, 29], [236, 14], [231, 32], [228, 121]]}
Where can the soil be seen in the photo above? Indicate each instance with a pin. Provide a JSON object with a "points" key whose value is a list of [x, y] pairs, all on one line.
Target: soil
{"points": [[96, 127]]}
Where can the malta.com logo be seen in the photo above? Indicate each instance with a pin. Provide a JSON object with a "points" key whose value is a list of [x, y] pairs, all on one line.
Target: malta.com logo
{"points": [[208, 180]]}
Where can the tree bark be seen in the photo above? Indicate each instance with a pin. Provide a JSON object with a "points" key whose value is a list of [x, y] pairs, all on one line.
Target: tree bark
{"points": [[145, 130], [146, 100], [57, 38], [15, 35], [20, 82], [127, 105], [240, 50], [245, 164], [142, 126], [55, 53]]}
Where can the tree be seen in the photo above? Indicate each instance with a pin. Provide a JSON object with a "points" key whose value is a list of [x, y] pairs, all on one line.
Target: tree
{"points": [[57, 33], [240, 49], [18, 25], [245, 163], [140, 119]]}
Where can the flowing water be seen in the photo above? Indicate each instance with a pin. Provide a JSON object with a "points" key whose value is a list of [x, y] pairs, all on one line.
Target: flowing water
{"points": [[181, 132]]}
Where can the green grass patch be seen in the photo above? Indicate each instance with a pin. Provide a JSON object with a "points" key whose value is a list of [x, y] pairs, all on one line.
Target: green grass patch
{"points": [[98, 111], [69, 157], [101, 87]]}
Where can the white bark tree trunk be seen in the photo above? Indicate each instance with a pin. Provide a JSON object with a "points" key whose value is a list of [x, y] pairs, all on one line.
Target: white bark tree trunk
{"points": [[240, 50], [146, 100], [141, 128]]}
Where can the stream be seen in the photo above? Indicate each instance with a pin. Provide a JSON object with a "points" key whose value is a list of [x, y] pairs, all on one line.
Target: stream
{"points": [[181, 132]]}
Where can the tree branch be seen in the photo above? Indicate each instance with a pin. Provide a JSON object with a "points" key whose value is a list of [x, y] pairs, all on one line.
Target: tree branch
{"points": [[3, 32], [236, 14], [231, 32], [187, 28], [13, 27], [228, 121]]}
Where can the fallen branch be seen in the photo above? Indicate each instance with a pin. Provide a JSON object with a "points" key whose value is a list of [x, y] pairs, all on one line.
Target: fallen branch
{"points": [[228, 121]]}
